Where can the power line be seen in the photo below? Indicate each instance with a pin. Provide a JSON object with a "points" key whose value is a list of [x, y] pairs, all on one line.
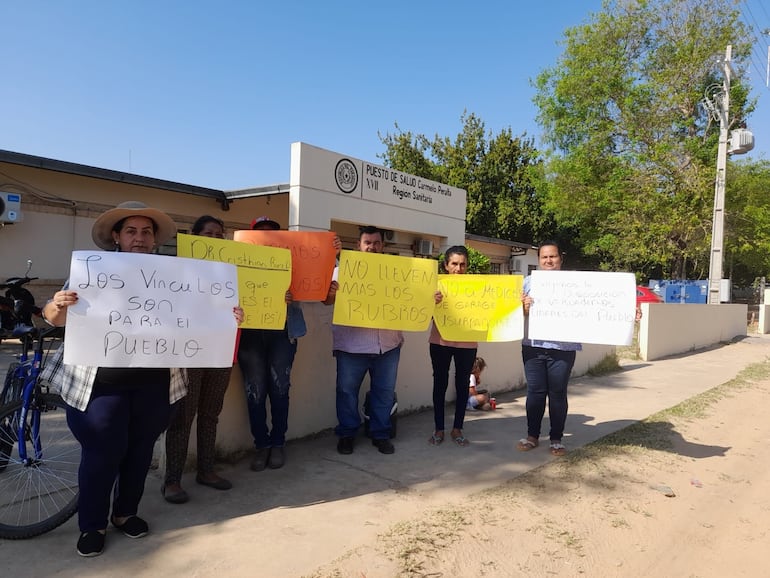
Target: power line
{"points": [[760, 38], [762, 6], [753, 24]]}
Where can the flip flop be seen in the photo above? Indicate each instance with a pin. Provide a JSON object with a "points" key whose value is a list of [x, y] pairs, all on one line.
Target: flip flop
{"points": [[460, 440], [525, 445], [436, 439], [557, 449]]}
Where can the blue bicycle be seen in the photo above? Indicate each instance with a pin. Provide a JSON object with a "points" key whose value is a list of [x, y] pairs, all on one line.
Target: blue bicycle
{"points": [[39, 456]]}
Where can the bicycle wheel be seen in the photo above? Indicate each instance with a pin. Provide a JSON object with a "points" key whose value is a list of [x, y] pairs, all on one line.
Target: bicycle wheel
{"points": [[7, 397], [40, 493], [13, 385]]}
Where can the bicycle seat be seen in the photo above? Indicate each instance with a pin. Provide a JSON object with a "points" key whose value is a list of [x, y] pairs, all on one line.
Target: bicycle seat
{"points": [[22, 330]]}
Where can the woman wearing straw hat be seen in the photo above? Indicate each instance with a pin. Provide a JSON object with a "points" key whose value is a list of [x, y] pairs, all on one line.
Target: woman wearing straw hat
{"points": [[115, 413]]}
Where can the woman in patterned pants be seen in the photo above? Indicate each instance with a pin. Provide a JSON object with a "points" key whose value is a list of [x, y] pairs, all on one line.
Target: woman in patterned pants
{"points": [[205, 397]]}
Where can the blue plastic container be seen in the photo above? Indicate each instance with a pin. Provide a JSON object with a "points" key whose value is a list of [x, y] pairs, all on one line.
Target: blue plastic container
{"points": [[682, 291]]}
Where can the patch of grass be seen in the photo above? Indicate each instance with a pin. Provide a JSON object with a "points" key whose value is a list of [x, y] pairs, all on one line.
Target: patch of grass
{"points": [[630, 351], [414, 542], [607, 365], [651, 434], [754, 372], [620, 523], [570, 540]]}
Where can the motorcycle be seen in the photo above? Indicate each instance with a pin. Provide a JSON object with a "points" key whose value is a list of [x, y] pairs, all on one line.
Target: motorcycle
{"points": [[17, 305]]}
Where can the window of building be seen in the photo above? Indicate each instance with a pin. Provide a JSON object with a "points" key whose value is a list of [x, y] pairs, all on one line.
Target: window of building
{"points": [[169, 248]]}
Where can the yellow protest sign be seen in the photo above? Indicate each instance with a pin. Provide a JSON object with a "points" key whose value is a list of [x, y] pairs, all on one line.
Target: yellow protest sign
{"points": [[480, 308], [264, 275], [385, 291]]}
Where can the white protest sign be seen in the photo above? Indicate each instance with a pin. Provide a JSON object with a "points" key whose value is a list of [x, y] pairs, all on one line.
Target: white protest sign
{"points": [[139, 310], [582, 307]]}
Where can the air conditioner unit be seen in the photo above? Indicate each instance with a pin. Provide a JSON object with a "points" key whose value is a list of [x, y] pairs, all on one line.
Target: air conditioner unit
{"points": [[397, 237], [10, 207], [424, 247], [514, 265]]}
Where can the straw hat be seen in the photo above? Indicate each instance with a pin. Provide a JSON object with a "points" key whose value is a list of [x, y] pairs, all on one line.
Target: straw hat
{"points": [[102, 229]]}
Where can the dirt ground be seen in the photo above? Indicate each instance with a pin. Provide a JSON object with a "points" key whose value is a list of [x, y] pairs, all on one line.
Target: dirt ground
{"points": [[681, 495]]}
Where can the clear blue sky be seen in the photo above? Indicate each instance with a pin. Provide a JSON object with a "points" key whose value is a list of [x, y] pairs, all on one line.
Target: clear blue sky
{"points": [[214, 93]]}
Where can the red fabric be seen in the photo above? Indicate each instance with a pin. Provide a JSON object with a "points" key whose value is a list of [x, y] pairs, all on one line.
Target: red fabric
{"points": [[237, 343]]}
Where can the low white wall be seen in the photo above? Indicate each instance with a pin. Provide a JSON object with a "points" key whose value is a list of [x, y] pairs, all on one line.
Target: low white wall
{"points": [[671, 328], [312, 407], [764, 319], [764, 314]]}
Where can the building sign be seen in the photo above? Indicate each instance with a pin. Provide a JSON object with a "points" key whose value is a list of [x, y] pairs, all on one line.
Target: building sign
{"points": [[351, 177]]}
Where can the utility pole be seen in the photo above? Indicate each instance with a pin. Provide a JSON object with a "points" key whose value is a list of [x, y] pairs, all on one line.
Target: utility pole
{"points": [[718, 224]]}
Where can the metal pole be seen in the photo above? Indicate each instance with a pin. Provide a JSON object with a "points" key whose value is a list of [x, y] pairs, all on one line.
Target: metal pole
{"points": [[718, 224]]}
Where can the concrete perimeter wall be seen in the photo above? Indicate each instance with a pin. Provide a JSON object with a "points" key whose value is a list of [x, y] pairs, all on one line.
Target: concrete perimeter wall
{"points": [[764, 314], [671, 328]]}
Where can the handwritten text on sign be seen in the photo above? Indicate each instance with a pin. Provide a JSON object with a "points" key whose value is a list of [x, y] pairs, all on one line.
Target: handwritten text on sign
{"points": [[385, 291], [480, 308], [137, 310], [263, 276], [312, 259], [583, 307]]}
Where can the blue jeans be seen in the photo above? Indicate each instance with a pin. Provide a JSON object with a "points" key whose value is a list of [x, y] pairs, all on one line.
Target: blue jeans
{"points": [[547, 372], [440, 357], [266, 357], [351, 370]]}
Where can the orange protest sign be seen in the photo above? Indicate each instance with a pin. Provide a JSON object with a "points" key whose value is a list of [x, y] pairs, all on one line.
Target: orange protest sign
{"points": [[312, 258]]}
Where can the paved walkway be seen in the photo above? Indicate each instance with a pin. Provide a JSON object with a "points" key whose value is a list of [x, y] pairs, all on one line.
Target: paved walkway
{"points": [[288, 522]]}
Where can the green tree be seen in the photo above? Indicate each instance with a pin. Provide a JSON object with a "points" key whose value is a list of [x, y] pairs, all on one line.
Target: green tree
{"points": [[632, 151], [501, 174], [747, 222]]}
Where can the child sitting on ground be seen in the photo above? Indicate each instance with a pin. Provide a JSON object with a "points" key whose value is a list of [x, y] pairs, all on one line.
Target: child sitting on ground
{"points": [[478, 398]]}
